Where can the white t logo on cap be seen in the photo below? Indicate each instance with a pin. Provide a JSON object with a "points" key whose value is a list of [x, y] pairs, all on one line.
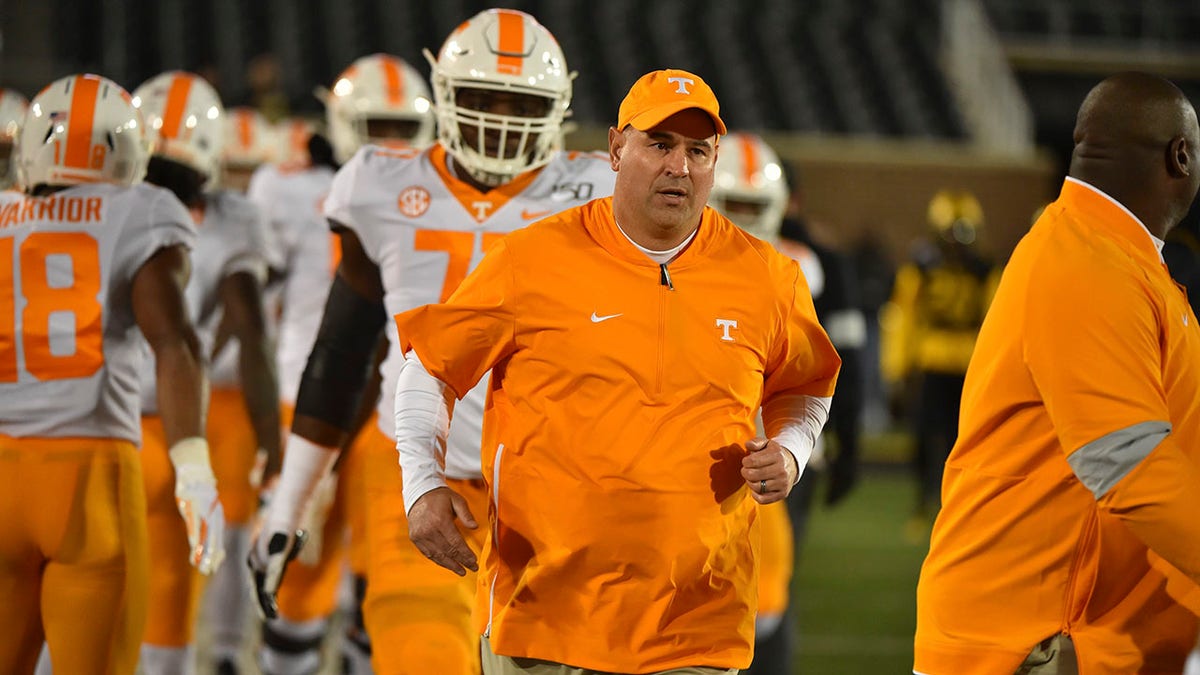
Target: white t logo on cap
{"points": [[682, 82]]}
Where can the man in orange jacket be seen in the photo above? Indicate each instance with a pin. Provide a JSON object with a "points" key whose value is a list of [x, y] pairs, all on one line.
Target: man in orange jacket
{"points": [[631, 342], [1068, 539]]}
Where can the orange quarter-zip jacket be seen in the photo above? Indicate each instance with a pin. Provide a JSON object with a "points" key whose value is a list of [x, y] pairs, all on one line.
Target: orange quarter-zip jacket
{"points": [[623, 535], [1071, 502]]}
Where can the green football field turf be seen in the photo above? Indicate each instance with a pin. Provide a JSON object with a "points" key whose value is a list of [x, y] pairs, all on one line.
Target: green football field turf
{"points": [[855, 584]]}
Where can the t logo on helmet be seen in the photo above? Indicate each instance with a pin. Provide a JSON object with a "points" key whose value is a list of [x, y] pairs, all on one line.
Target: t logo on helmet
{"points": [[682, 82]]}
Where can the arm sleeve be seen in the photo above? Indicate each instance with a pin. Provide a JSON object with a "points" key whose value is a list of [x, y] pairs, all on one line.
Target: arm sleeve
{"points": [[422, 416], [1097, 366], [458, 341], [802, 360], [794, 422]]}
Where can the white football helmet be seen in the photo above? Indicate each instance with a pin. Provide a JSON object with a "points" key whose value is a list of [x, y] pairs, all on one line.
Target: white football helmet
{"points": [[81, 129], [748, 185], [500, 50], [249, 139], [185, 120], [377, 87]]}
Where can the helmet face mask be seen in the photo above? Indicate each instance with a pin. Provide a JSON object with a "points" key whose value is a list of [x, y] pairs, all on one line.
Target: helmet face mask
{"points": [[749, 187], [509, 136], [81, 129], [186, 121], [382, 100], [508, 54]]}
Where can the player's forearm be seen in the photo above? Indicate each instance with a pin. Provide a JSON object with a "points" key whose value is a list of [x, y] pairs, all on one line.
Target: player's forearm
{"points": [[182, 389], [260, 389]]}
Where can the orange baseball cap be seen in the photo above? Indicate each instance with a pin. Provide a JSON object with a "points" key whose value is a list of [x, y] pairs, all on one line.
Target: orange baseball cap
{"points": [[662, 93]]}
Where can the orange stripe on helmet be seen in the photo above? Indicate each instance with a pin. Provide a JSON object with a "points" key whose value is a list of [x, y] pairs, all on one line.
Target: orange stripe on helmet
{"points": [[80, 122], [511, 43], [177, 97], [393, 81], [245, 129], [750, 161]]}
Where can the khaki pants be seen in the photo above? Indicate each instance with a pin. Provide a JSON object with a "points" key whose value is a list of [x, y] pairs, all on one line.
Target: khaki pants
{"points": [[504, 665], [1053, 656]]}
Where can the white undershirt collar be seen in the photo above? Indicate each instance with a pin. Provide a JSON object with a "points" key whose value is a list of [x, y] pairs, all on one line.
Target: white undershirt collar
{"points": [[660, 257]]}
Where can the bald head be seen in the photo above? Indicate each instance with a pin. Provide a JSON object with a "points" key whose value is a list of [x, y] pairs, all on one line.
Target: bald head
{"points": [[1132, 110], [1136, 138]]}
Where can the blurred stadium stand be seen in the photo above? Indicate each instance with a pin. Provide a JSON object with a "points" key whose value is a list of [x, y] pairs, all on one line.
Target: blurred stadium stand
{"points": [[881, 101], [874, 68], [848, 66]]}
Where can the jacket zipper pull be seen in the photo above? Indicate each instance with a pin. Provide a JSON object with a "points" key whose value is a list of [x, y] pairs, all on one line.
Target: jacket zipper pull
{"points": [[664, 277]]}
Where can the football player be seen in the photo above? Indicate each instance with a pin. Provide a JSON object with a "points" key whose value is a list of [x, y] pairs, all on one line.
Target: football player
{"points": [[412, 224], [186, 122], [381, 100], [87, 257]]}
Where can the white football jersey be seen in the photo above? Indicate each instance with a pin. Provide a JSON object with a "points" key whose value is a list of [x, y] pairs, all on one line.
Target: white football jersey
{"points": [[426, 230], [70, 355], [231, 239], [290, 201]]}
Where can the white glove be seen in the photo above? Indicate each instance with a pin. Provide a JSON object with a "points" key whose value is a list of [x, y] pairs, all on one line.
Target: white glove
{"points": [[272, 548], [279, 539], [196, 497]]}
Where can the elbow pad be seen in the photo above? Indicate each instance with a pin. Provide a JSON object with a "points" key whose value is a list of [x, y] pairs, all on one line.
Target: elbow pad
{"points": [[339, 365]]}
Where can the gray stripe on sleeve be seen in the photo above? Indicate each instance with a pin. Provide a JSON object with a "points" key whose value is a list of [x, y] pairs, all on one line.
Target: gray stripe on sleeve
{"points": [[1101, 464]]}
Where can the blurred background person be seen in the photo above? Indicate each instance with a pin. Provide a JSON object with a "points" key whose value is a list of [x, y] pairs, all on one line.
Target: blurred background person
{"points": [[1181, 252], [751, 187], [263, 76], [838, 308], [12, 109], [748, 188], [230, 261], [938, 302], [250, 141]]}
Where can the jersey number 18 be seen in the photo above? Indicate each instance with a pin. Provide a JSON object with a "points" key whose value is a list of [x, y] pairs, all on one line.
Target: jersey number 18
{"points": [[43, 298]]}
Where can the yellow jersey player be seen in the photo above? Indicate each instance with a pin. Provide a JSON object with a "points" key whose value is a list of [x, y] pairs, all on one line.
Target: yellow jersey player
{"points": [[413, 224], [87, 258]]}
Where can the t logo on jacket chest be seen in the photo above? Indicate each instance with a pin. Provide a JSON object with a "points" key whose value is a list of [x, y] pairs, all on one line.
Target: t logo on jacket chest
{"points": [[727, 325]]}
